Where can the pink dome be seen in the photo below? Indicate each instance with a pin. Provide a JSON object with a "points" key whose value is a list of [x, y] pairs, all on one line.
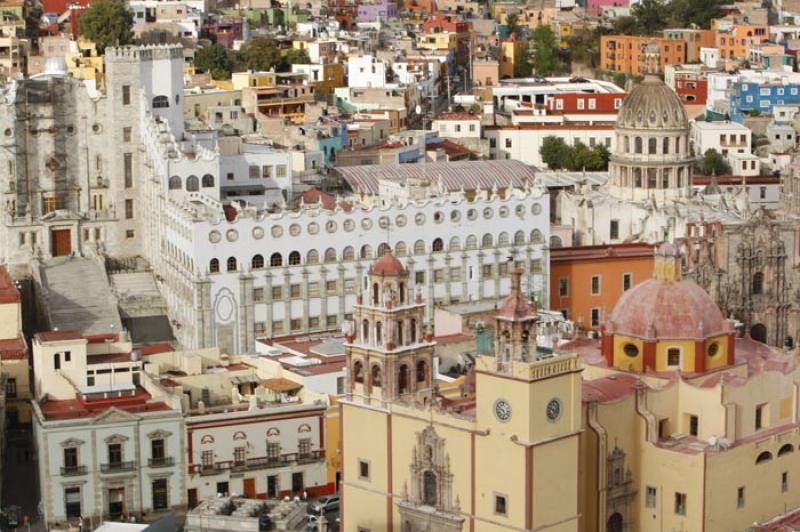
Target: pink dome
{"points": [[669, 310], [388, 265]]}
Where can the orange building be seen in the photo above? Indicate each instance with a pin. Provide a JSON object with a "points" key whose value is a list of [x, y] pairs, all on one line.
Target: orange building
{"points": [[735, 43], [694, 39], [626, 53], [587, 281]]}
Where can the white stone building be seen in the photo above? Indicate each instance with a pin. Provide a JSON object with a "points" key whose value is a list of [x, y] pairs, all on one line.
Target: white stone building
{"points": [[109, 440], [725, 137], [523, 142], [366, 71]]}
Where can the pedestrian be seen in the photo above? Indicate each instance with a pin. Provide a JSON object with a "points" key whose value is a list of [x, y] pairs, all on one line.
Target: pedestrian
{"points": [[305, 495]]}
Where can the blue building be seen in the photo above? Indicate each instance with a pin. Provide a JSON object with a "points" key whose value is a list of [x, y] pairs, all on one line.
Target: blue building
{"points": [[747, 97]]}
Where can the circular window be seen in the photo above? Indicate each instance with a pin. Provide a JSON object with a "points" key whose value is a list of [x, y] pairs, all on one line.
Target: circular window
{"points": [[8, 132], [70, 130], [455, 216], [419, 219], [330, 226], [313, 228], [472, 214], [631, 350], [503, 212], [277, 231], [232, 235], [713, 349], [258, 233], [294, 229], [520, 210], [438, 217], [349, 225], [536, 209], [366, 224], [214, 237], [383, 222], [97, 128], [487, 213], [401, 220]]}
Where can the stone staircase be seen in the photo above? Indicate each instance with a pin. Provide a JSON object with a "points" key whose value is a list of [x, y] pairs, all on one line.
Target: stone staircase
{"points": [[75, 295], [137, 294]]}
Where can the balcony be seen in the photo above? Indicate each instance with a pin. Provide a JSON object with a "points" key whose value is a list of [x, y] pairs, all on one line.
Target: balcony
{"points": [[163, 461], [258, 463], [73, 471], [117, 467]]}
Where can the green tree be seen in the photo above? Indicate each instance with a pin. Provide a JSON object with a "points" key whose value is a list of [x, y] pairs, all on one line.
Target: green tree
{"points": [[261, 53], [542, 47], [698, 12], [627, 26], [713, 163], [584, 47], [107, 23], [512, 23], [651, 15], [294, 57], [554, 152], [215, 60]]}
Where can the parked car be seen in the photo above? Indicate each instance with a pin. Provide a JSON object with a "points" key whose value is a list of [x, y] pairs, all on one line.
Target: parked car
{"points": [[12, 516], [324, 504]]}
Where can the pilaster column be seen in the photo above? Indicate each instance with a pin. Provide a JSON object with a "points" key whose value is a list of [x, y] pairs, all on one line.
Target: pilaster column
{"points": [[496, 254], [287, 301], [447, 295], [269, 301], [464, 277], [341, 290], [429, 299], [304, 296], [246, 323], [481, 256], [323, 297]]}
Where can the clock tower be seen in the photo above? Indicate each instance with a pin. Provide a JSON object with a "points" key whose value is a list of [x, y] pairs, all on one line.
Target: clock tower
{"points": [[389, 352]]}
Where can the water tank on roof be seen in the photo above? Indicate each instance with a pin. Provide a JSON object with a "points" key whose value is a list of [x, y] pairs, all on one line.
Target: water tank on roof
{"points": [[55, 66]]}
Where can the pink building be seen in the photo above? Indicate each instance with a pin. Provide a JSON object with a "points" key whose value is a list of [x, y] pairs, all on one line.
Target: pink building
{"points": [[596, 6]]}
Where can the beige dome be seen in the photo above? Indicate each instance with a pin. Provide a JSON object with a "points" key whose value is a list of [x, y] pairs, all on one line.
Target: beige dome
{"points": [[652, 105]]}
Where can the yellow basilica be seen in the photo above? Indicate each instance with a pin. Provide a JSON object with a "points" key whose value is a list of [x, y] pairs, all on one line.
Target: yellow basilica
{"points": [[669, 422]]}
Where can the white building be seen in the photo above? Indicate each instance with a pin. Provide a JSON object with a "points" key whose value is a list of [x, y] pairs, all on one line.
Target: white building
{"points": [[730, 139], [523, 142], [109, 440], [366, 71], [458, 125]]}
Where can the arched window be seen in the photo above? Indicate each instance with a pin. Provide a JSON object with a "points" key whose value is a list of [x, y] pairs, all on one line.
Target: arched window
{"points": [[401, 289], [429, 488], [438, 245], [637, 177], [383, 248], [627, 143], [422, 371], [536, 237], [412, 330], [294, 258], [312, 257], [366, 251], [376, 375], [213, 266], [376, 293], [502, 239], [472, 242], [638, 145], [378, 333], [231, 264], [785, 449], [330, 256], [349, 253], [208, 181], [174, 183], [358, 371], [652, 145], [758, 283], [365, 330], [257, 262], [455, 244], [766, 456], [419, 247], [665, 146], [160, 102], [402, 379], [400, 249], [519, 238], [192, 183], [486, 241], [399, 332], [276, 260], [556, 242]]}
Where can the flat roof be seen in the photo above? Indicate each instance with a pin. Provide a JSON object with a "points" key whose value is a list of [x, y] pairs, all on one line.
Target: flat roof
{"points": [[634, 250]]}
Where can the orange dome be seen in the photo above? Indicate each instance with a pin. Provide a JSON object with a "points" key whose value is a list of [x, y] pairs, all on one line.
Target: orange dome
{"points": [[670, 310], [388, 265]]}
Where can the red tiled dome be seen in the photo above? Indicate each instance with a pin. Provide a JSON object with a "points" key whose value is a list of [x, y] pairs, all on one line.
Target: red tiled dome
{"points": [[388, 265], [675, 310]]}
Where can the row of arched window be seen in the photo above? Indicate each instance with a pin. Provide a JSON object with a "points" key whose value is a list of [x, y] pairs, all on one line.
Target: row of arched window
{"points": [[667, 145], [365, 252], [375, 375], [766, 456], [654, 178], [402, 336], [193, 183]]}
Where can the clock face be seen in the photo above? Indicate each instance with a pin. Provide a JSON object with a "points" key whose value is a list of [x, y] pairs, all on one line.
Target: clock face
{"points": [[502, 410], [553, 409]]}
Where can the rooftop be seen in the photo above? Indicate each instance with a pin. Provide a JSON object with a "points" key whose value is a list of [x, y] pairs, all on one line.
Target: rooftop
{"points": [[137, 403]]}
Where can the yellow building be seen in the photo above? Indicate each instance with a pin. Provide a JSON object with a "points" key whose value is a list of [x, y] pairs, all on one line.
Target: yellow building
{"points": [[241, 80], [13, 353], [512, 53], [501, 459], [84, 62]]}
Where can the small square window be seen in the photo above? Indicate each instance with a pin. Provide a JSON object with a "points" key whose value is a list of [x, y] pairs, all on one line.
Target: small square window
{"points": [[500, 505], [627, 281], [650, 499], [680, 503], [740, 497], [595, 285], [363, 470]]}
